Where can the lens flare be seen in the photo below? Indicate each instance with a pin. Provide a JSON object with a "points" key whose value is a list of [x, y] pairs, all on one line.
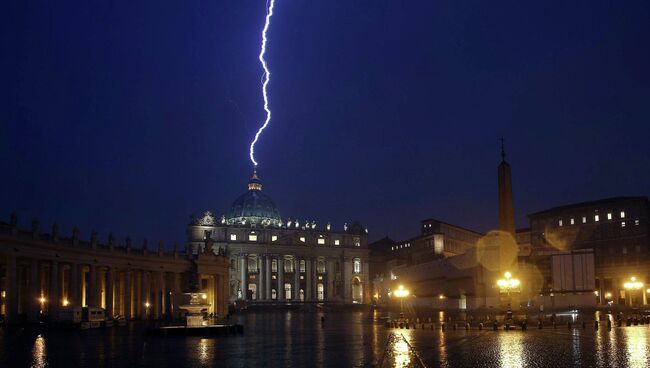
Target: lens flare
{"points": [[266, 78]]}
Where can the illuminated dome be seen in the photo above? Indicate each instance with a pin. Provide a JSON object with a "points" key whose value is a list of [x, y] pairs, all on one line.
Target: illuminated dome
{"points": [[254, 207]]}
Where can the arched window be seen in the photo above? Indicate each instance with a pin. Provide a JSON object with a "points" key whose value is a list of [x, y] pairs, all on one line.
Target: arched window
{"points": [[321, 266], [303, 265], [288, 265], [274, 265], [252, 264], [357, 265], [321, 292], [274, 294]]}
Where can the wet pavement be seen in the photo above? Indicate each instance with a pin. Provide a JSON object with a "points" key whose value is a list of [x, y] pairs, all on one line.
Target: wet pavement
{"points": [[346, 339]]}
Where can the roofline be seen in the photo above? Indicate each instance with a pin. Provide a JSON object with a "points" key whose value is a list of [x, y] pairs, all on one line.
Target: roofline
{"points": [[591, 203], [447, 223]]}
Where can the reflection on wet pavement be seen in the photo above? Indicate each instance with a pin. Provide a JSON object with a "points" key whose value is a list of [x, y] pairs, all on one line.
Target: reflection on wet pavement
{"points": [[399, 354], [345, 339]]}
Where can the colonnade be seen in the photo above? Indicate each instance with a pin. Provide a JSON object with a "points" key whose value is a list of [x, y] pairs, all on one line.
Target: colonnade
{"points": [[297, 278], [35, 288]]}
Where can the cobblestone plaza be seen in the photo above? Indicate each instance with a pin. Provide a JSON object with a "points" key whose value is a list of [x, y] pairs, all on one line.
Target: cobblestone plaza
{"points": [[345, 339]]}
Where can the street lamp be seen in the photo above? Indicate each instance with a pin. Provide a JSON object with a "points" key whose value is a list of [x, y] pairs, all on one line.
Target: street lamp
{"points": [[401, 293], [632, 285], [508, 284]]}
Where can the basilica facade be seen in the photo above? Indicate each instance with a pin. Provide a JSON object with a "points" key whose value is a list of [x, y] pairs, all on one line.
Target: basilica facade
{"points": [[274, 260]]}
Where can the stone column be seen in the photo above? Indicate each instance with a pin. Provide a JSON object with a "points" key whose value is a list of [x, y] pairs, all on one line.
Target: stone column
{"points": [[157, 302], [33, 303], [73, 295], [261, 279], [347, 280], [243, 282], [280, 291], [11, 287], [308, 279], [127, 295], [144, 296], [91, 290], [296, 279], [267, 277], [162, 294], [217, 294], [109, 292], [54, 297], [225, 292], [331, 278]]}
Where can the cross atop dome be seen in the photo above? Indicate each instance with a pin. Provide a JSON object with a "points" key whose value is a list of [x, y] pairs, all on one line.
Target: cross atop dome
{"points": [[255, 183]]}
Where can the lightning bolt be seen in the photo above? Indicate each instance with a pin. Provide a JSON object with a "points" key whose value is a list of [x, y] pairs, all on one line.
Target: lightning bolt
{"points": [[266, 77]]}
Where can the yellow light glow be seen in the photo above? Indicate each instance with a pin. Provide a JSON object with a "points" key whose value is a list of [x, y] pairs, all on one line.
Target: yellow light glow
{"points": [[204, 296], [401, 292], [42, 300], [441, 296], [147, 305], [608, 295], [65, 302], [633, 284], [508, 283]]}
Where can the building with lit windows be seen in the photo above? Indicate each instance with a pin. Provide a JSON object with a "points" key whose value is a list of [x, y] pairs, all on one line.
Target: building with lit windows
{"points": [[275, 260], [615, 229]]}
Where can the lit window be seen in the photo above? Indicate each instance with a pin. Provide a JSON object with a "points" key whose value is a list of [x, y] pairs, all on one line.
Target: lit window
{"points": [[273, 277], [252, 237], [560, 223], [274, 238], [337, 242], [622, 223], [321, 241], [573, 221], [392, 248], [622, 214], [357, 266], [233, 236], [302, 277], [303, 265], [320, 277], [584, 219], [609, 215], [274, 265], [274, 294], [636, 222], [596, 218], [302, 239], [357, 242]]}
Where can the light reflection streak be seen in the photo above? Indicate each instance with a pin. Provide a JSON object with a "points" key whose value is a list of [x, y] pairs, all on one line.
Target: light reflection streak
{"points": [[511, 350], [203, 351], [39, 353], [637, 346]]}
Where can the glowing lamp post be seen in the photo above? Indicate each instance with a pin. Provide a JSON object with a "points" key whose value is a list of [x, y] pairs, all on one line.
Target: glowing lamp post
{"points": [[508, 284], [632, 286], [401, 293]]}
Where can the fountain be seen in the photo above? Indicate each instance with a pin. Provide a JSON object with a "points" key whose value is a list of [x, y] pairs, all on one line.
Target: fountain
{"points": [[195, 308], [194, 323]]}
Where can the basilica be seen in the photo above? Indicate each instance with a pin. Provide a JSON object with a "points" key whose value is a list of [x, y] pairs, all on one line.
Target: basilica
{"points": [[275, 260]]}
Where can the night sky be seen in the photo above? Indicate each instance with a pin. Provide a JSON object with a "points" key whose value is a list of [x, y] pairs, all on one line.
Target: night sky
{"points": [[128, 116]]}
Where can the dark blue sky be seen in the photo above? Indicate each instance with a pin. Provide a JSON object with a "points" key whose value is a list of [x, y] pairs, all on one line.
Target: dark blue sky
{"points": [[128, 116]]}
